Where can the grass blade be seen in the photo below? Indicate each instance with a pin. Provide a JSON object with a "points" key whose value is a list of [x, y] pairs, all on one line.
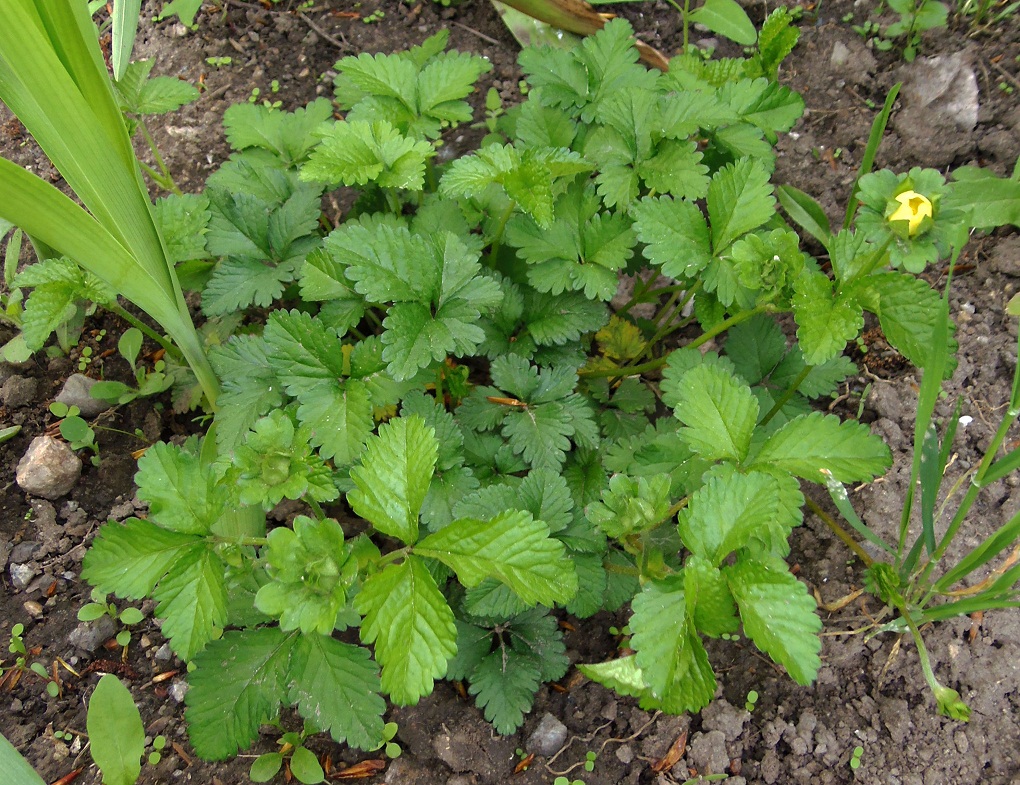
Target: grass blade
{"points": [[871, 150], [125, 27]]}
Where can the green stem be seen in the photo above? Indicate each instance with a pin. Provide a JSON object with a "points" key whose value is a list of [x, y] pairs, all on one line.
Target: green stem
{"points": [[144, 329], [168, 178], [686, 12], [392, 556], [641, 291], [439, 387], [786, 396], [497, 238], [392, 201], [726, 324], [316, 508], [840, 532], [669, 325]]}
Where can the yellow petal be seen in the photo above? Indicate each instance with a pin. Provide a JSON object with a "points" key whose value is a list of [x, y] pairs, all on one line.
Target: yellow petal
{"points": [[913, 209]]}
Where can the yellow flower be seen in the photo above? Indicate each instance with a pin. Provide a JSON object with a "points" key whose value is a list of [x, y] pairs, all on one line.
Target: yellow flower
{"points": [[914, 208]]}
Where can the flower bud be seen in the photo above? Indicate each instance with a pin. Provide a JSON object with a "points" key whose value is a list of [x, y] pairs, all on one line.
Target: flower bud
{"points": [[913, 209]]}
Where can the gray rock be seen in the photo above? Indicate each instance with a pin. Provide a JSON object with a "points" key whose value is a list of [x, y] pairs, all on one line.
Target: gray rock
{"points": [[940, 95], [49, 468], [22, 574], [75, 392], [178, 689], [5, 551], [548, 737], [1005, 258], [164, 653], [90, 635], [24, 551], [19, 391], [708, 752], [723, 716]]}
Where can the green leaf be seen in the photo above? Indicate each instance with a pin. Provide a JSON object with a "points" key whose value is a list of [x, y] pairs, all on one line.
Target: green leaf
{"points": [[739, 200], [720, 413], [756, 347], [764, 103], [116, 735], [288, 135], [236, 686], [709, 602], [806, 213], [394, 476], [183, 494], [778, 615], [730, 510], [726, 18], [670, 654], [825, 323], [675, 235], [908, 309], [505, 685], [408, 620], [305, 766], [183, 222], [140, 94], [336, 687], [192, 601], [514, 548], [357, 153], [250, 387], [986, 200], [624, 677], [340, 420], [129, 559], [816, 446], [631, 506]]}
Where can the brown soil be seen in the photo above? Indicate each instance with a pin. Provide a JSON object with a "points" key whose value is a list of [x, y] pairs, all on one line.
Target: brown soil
{"points": [[869, 692]]}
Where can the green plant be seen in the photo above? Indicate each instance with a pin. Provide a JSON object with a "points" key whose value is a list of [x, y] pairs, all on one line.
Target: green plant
{"points": [[218, 62], [910, 577], [449, 368], [566, 781], [116, 735], [148, 382], [915, 18], [298, 759], [100, 607], [752, 700], [78, 433], [855, 758], [14, 768], [985, 14]]}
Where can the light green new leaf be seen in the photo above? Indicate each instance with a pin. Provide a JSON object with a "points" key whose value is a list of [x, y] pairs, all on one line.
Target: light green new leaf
{"points": [[408, 620], [128, 559], [340, 420], [357, 153], [778, 615], [739, 199], [289, 135], [192, 602], [672, 659], [394, 477], [235, 688], [624, 677], [514, 548], [116, 735], [336, 687], [816, 446], [719, 411], [183, 494]]}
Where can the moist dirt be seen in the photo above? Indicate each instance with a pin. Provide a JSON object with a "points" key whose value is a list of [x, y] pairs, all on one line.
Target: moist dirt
{"points": [[869, 692]]}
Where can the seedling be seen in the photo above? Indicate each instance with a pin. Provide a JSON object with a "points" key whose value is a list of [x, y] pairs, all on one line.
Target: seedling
{"points": [[100, 607], [589, 760], [376, 16], [219, 62], [752, 700], [855, 759], [298, 759], [147, 382], [78, 433]]}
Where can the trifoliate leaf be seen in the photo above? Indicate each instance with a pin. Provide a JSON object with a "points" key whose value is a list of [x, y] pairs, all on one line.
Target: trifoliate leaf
{"points": [[817, 446], [719, 411], [778, 615], [675, 234], [764, 103], [140, 94], [670, 654], [235, 687], [739, 200], [825, 323], [821, 380], [339, 419], [184, 495], [540, 434], [659, 448], [357, 153], [288, 135], [129, 559], [192, 602], [543, 493], [555, 320], [336, 687], [393, 477], [408, 620], [512, 547]]}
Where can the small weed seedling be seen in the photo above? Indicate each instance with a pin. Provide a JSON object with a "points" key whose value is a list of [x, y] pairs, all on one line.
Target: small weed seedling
{"points": [[855, 759], [299, 760], [147, 382], [99, 607], [219, 62], [116, 735], [752, 700], [78, 433]]}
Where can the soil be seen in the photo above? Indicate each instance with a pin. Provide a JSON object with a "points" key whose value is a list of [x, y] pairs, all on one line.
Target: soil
{"points": [[869, 692]]}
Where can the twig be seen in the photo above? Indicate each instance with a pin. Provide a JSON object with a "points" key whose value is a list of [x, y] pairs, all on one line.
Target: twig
{"points": [[591, 736], [483, 36], [1005, 73], [339, 44]]}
